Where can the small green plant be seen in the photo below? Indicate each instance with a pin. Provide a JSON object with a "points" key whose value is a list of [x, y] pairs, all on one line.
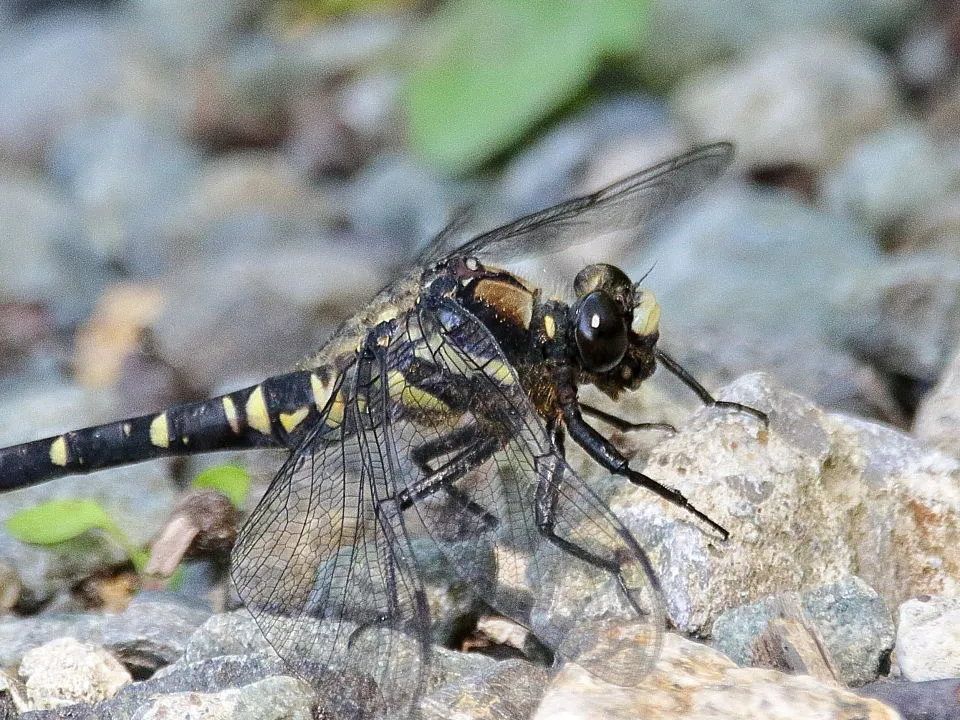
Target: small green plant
{"points": [[232, 480], [497, 67], [59, 521], [56, 522]]}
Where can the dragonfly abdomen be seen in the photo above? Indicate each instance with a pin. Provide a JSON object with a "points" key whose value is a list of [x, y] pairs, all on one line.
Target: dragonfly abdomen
{"points": [[273, 413]]}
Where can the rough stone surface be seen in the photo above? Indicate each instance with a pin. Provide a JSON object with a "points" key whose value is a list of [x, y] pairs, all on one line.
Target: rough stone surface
{"points": [[809, 499], [695, 682], [928, 638], [64, 672], [273, 698], [852, 619]]}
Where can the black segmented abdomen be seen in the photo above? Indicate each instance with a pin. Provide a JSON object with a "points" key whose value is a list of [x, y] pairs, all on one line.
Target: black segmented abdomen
{"points": [[273, 413]]}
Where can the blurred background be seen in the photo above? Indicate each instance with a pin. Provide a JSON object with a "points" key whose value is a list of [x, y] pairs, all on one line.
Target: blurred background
{"points": [[193, 195]]}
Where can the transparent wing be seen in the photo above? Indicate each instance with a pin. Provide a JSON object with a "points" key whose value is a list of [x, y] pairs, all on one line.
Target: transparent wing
{"points": [[325, 576], [626, 204], [486, 480]]}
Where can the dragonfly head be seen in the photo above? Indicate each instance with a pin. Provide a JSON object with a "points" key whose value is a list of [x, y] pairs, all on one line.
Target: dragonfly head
{"points": [[616, 325]]}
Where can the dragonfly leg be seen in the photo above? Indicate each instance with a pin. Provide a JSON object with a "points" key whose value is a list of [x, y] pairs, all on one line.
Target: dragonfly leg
{"points": [[473, 449], [705, 397], [624, 425], [545, 509], [601, 450]]}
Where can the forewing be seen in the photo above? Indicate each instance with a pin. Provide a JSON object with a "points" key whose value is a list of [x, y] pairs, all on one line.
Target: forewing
{"points": [[320, 573], [503, 469], [624, 205]]}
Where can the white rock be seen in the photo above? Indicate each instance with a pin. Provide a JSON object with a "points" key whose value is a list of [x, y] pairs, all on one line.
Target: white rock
{"points": [[65, 671], [928, 638]]}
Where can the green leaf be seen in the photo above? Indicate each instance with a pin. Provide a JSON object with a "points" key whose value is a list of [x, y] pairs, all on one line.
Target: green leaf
{"points": [[232, 480], [499, 66], [58, 521]]}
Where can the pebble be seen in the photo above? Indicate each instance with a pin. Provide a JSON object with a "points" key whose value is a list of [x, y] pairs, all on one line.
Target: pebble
{"points": [[889, 178], [802, 99], [928, 638], [65, 672], [852, 619], [937, 421], [902, 314], [812, 497]]}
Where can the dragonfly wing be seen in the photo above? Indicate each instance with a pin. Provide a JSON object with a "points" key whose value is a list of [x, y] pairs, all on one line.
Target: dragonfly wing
{"points": [[488, 443], [626, 204], [318, 567]]}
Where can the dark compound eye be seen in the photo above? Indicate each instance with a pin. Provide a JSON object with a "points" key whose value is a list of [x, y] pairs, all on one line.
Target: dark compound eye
{"points": [[601, 332]]}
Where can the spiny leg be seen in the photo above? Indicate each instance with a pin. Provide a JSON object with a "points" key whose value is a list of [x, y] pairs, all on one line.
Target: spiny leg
{"points": [[601, 450], [705, 397], [474, 450], [624, 425]]}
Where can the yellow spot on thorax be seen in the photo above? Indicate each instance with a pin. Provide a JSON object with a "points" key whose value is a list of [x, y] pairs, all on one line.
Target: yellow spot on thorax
{"points": [[160, 431], [337, 408], [411, 396], [58, 451], [258, 417], [550, 326]]}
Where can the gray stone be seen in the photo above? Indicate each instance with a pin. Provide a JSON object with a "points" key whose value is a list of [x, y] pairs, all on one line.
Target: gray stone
{"points": [[902, 314], [799, 99], [145, 634], [685, 35], [937, 420], [507, 690], [39, 239], [78, 65], [127, 177], [739, 293], [273, 698], [273, 312], [852, 619], [889, 177], [928, 638]]}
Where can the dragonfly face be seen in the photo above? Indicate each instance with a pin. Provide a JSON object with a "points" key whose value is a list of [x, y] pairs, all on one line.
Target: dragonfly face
{"points": [[449, 397]]}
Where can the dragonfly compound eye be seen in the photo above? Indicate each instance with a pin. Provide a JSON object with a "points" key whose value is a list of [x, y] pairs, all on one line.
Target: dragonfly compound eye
{"points": [[600, 331]]}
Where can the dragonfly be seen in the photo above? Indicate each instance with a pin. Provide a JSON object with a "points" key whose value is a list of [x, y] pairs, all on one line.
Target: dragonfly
{"points": [[439, 414]]}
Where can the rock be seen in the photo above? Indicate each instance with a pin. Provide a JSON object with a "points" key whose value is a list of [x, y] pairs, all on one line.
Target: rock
{"points": [[275, 310], [273, 698], [734, 270], [902, 315], [148, 634], [937, 421], [684, 36], [41, 248], [851, 618], [78, 65], [928, 638], [241, 202], [64, 672], [507, 690], [811, 498], [931, 700], [694, 681], [800, 99], [889, 177], [127, 176]]}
